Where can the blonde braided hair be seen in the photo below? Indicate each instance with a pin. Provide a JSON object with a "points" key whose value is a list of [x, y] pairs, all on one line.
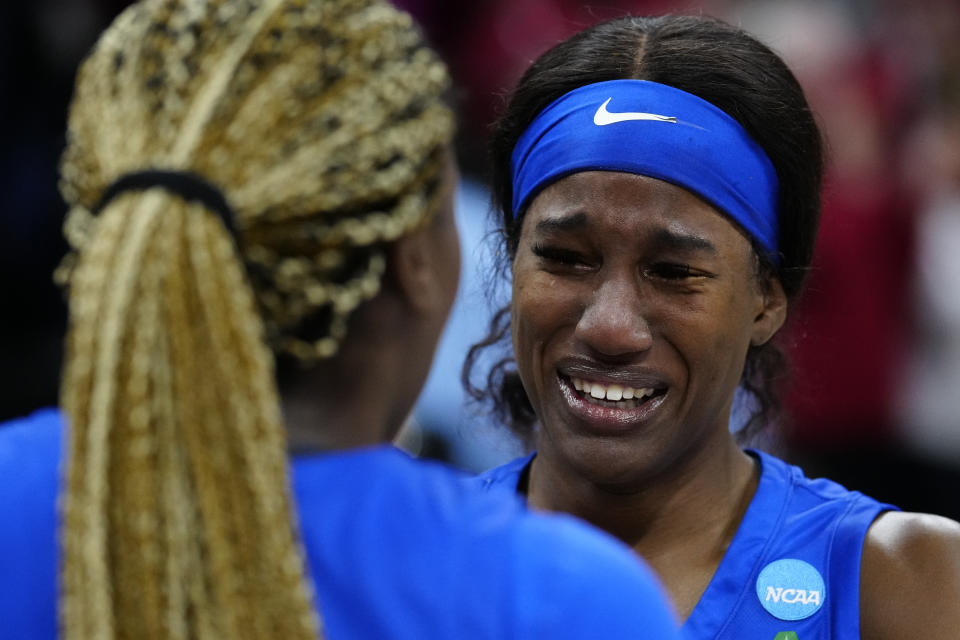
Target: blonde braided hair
{"points": [[324, 124]]}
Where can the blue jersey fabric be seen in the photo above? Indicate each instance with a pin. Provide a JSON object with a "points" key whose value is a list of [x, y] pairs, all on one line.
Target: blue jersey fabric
{"points": [[801, 529], [397, 548]]}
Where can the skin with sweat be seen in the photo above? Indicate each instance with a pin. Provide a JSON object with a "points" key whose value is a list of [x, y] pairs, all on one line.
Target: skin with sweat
{"points": [[628, 282]]}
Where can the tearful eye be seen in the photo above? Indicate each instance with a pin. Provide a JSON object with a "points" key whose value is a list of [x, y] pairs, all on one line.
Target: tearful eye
{"points": [[558, 256], [675, 271]]}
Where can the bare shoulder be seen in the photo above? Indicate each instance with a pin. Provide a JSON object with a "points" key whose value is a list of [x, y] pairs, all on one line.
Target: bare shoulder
{"points": [[910, 578]]}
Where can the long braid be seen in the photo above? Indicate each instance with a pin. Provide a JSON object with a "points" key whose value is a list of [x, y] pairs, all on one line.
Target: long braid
{"points": [[324, 124]]}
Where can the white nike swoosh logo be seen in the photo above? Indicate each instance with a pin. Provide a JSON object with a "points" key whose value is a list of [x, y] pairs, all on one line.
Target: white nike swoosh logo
{"points": [[603, 117]]}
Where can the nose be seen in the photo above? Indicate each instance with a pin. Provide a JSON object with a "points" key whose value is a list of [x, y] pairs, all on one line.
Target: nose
{"points": [[613, 323]]}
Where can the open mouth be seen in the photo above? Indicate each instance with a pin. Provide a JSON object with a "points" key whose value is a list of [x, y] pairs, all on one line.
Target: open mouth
{"points": [[614, 396]]}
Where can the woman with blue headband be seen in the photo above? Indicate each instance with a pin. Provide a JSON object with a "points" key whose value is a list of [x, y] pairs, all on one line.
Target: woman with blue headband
{"points": [[658, 181]]}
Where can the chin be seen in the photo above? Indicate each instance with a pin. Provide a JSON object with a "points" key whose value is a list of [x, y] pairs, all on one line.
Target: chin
{"points": [[616, 464]]}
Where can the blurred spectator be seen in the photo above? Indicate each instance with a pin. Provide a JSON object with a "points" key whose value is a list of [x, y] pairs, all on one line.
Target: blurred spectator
{"points": [[930, 402], [851, 332], [848, 331]]}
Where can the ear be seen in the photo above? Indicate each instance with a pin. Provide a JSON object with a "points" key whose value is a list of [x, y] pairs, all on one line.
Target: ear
{"points": [[413, 267], [771, 314]]}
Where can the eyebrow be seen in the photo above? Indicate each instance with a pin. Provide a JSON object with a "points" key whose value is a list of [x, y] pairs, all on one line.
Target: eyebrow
{"points": [[571, 222], [670, 239], [682, 241]]}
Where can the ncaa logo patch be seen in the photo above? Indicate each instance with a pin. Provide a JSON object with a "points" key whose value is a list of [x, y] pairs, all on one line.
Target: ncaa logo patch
{"points": [[790, 589]]}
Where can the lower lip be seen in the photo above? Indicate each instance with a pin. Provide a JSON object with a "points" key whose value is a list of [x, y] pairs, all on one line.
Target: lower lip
{"points": [[609, 420]]}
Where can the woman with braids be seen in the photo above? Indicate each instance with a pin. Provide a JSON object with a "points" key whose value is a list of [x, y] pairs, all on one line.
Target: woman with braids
{"points": [[658, 180], [255, 182]]}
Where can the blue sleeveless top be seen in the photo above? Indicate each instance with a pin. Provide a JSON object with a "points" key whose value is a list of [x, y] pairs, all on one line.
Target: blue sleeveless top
{"points": [[397, 548], [792, 571]]}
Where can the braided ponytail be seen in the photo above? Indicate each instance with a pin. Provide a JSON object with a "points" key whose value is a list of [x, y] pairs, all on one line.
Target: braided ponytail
{"points": [[324, 125], [176, 494]]}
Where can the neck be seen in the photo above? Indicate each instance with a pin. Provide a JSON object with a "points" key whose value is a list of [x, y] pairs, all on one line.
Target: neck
{"points": [[681, 522], [705, 483], [325, 412], [352, 399]]}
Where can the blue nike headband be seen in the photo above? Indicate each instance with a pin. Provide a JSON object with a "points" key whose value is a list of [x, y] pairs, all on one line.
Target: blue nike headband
{"points": [[654, 130]]}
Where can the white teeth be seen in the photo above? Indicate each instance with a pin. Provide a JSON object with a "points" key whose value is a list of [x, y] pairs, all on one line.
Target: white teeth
{"points": [[613, 392]]}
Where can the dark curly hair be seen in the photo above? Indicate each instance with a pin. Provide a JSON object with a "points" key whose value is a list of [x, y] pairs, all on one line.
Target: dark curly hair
{"points": [[721, 64]]}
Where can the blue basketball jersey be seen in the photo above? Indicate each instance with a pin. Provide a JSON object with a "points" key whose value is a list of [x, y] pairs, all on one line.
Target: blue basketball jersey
{"points": [[397, 548], [792, 571]]}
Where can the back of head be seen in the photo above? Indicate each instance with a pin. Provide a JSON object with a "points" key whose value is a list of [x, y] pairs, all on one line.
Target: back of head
{"points": [[728, 68], [323, 125]]}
